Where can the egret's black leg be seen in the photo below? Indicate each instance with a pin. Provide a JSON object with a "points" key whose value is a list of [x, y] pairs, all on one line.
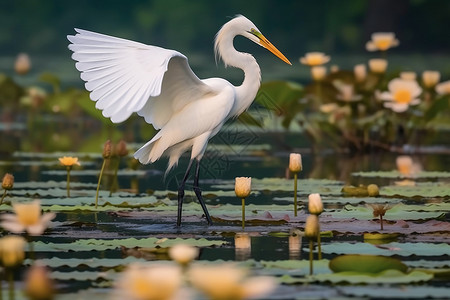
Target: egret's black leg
{"points": [[198, 193], [181, 193]]}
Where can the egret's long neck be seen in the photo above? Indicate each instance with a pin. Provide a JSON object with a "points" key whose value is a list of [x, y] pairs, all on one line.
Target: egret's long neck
{"points": [[246, 92]]}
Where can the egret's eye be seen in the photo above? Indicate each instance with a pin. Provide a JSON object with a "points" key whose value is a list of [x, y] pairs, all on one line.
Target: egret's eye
{"points": [[255, 32]]}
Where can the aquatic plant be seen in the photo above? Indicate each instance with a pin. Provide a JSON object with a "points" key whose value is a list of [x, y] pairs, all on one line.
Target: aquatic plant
{"points": [[106, 154], [242, 188], [295, 166], [7, 184], [27, 217], [312, 231], [69, 162], [183, 254]]}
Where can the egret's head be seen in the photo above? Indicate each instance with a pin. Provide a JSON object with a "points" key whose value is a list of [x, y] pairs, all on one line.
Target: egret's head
{"points": [[240, 25]]}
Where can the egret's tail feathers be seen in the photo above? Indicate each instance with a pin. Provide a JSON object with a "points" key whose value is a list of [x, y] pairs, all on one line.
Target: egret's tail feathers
{"points": [[149, 153]]}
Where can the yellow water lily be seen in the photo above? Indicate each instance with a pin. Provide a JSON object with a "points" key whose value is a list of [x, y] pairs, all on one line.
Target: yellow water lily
{"points": [[382, 41], [69, 161]]}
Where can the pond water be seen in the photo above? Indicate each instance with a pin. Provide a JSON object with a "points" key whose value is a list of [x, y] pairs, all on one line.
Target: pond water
{"points": [[86, 248]]}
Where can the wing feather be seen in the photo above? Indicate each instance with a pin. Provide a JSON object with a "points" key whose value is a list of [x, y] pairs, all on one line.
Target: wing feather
{"points": [[125, 77]]}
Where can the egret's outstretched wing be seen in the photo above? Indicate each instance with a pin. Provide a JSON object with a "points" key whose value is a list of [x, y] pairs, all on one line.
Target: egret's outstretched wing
{"points": [[125, 77]]}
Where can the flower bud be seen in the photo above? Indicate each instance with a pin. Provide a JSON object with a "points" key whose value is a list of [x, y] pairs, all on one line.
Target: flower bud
{"points": [[378, 65], [243, 186], [404, 165], [183, 254], [107, 149], [12, 250], [318, 73], [8, 181], [408, 76], [295, 162], [38, 285], [315, 205], [312, 227], [443, 88], [360, 72], [22, 65], [373, 190], [121, 148], [430, 78]]}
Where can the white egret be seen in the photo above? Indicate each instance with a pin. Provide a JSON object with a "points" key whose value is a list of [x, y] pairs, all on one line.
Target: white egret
{"points": [[125, 77]]}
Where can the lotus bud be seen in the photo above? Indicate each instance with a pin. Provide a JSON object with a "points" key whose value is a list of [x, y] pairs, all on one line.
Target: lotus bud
{"points": [[12, 250], [107, 150], [38, 285], [295, 162], [430, 78], [8, 181], [183, 254], [315, 205], [22, 65], [360, 72], [314, 59], [318, 73], [312, 227], [121, 148], [408, 76], [378, 65], [243, 186]]}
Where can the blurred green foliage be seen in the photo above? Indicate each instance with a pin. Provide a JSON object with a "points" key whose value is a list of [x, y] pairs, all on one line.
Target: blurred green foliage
{"points": [[333, 26]]}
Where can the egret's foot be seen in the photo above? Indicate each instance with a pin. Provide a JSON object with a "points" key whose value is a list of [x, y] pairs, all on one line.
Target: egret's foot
{"points": [[198, 193]]}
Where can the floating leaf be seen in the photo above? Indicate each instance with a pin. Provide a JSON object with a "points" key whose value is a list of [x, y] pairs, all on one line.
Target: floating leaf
{"points": [[366, 263], [397, 174], [385, 277], [400, 249], [392, 292]]}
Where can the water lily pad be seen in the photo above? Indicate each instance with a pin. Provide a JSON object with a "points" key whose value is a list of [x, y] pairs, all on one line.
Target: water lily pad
{"points": [[392, 292], [56, 262], [294, 267], [400, 249], [366, 263], [428, 189], [101, 245], [397, 212], [384, 277], [397, 174]]}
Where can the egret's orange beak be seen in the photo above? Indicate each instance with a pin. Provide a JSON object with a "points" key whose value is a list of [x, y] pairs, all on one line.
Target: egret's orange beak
{"points": [[268, 45]]}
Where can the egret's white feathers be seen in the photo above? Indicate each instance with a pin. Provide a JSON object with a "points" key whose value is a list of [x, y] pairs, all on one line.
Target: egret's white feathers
{"points": [[124, 76]]}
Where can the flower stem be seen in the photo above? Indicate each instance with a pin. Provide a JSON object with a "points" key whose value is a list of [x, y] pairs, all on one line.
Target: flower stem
{"points": [[243, 213], [3, 197], [311, 271], [114, 183], [381, 222], [319, 248], [68, 182], [99, 181], [11, 283], [295, 194]]}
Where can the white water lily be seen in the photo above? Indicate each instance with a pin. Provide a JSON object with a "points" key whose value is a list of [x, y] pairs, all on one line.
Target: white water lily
{"points": [[443, 88], [402, 93], [346, 92], [382, 41], [28, 217], [227, 281], [149, 282], [314, 59]]}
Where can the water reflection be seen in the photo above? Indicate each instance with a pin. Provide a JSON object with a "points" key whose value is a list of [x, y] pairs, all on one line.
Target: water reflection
{"points": [[243, 246], [295, 244]]}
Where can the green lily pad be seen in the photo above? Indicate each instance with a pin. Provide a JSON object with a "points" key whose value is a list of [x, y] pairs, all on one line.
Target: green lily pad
{"points": [[428, 189], [384, 277], [400, 249], [101, 245], [392, 292], [397, 174], [365, 263]]}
